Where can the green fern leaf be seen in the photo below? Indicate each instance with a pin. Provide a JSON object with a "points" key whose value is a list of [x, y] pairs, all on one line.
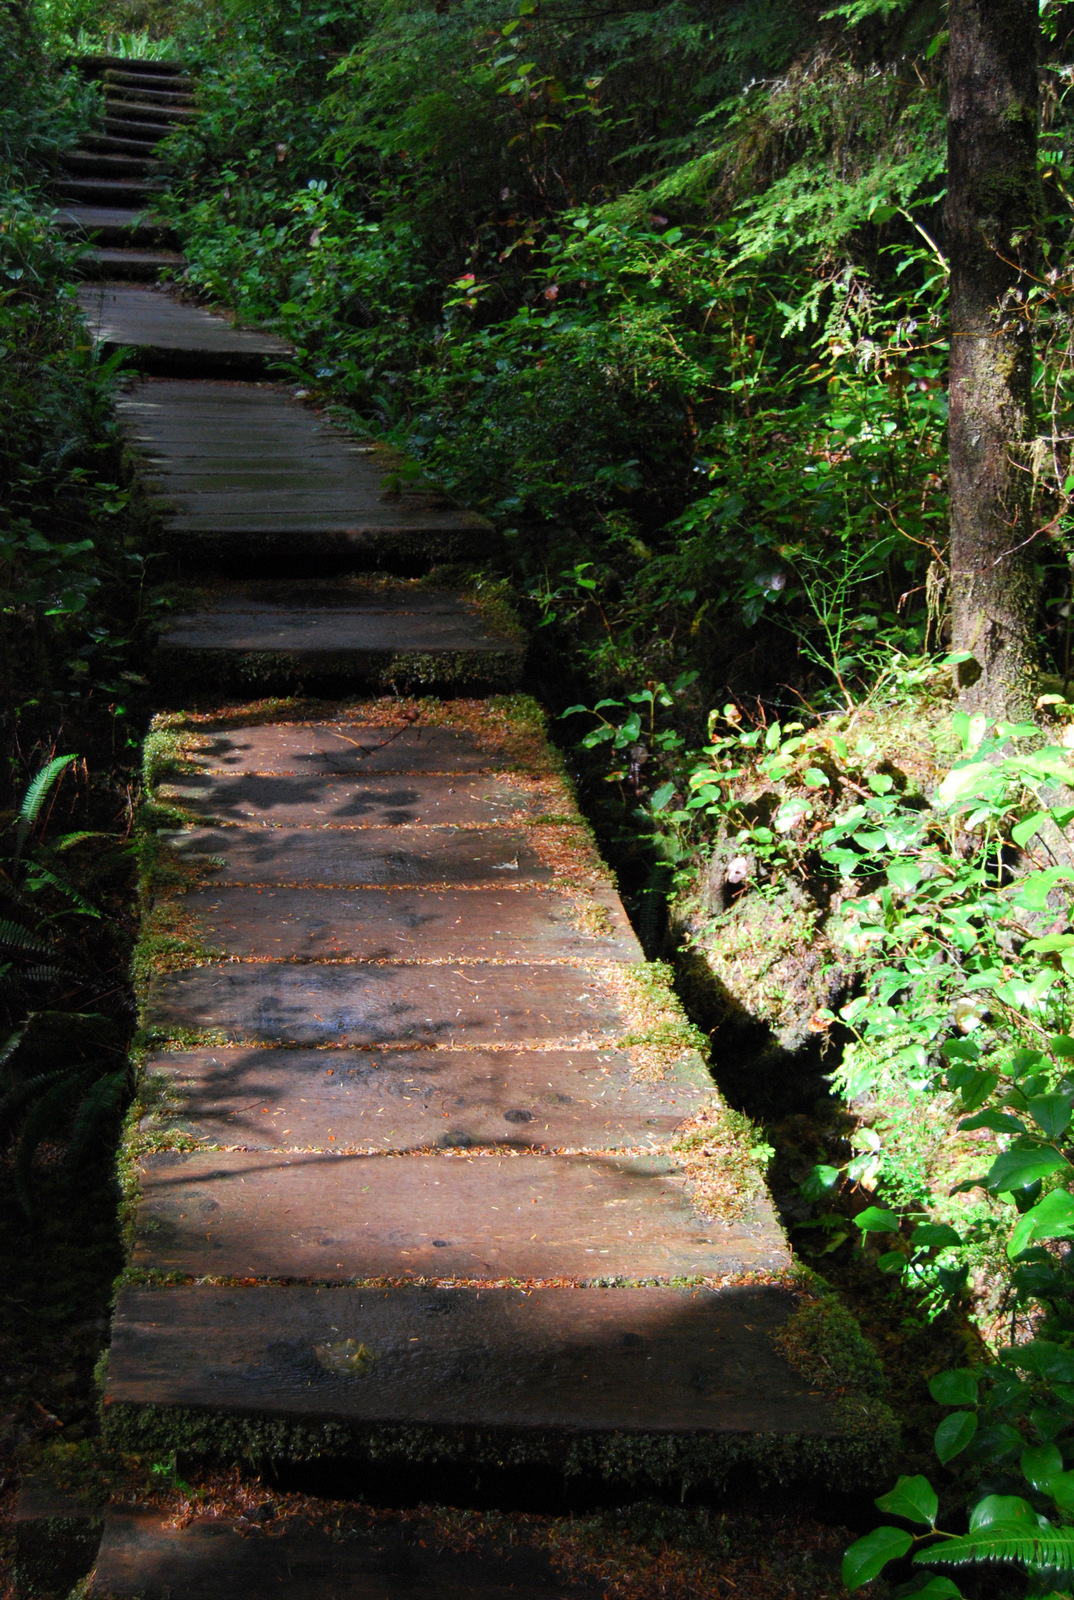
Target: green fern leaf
{"points": [[101, 1101], [14, 937], [37, 792], [1005, 1541], [45, 1116]]}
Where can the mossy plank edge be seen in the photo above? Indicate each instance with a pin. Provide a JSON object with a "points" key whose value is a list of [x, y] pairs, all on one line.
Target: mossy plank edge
{"points": [[511, 728], [175, 670], [851, 1459]]}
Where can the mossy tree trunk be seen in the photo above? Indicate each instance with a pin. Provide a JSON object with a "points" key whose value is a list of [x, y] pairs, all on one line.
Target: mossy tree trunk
{"points": [[992, 217]]}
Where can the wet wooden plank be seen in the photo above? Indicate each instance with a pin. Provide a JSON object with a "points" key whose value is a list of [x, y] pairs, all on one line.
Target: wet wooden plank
{"points": [[154, 321], [414, 1099], [367, 631], [343, 747], [333, 1218], [654, 1360], [254, 425], [479, 924], [142, 1557], [371, 1004], [371, 855], [326, 801]]}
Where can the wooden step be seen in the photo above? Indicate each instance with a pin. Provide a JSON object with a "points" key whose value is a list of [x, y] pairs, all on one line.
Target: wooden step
{"points": [[150, 133], [139, 266], [95, 66], [105, 164], [351, 1101], [351, 1553], [137, 107], [245, 474], [136, 78], [108, 192], [164, 335], [114, 226], [651, 1385], [122, 147]]}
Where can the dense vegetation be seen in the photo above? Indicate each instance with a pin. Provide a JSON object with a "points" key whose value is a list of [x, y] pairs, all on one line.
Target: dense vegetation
{"points": [[661, 289]]}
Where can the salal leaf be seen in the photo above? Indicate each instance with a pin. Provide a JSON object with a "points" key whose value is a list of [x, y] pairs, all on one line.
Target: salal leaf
{"points": [[1022, 1165], [955, 1388], [912, 1498], [954, 1434], [868, 1557], [935, 1236], [1051, 1113], [1041, 1464], [875, 1220], [1050, 1218], [997, 1121], [1002, 1509]]}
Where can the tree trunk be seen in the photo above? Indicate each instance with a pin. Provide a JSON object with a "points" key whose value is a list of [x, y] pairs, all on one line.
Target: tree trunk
{"points": [[991, 221]]}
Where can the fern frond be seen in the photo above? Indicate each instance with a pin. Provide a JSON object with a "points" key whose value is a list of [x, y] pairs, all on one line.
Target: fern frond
{"points": [[101, 1101], [14, 937], [17, 1097], [42, 874], [34, 798], [69, 839], [11, 1044], [40, 974], [37, 791], [45, 1117], [1044, 1547]]}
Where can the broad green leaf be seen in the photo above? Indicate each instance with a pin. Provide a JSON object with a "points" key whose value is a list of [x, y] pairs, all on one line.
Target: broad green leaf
{"points": [[1050, 1218], [1041, 1464], [869, 1556], [954, 1434], [937, 1588], [912, 1498], [998, 1121], [875, 1220], [1061, 1489], [1051, 1113], [1004, 1509], [661, 796], [904, 875], [955, 1388], [1017, 1168], [935, 1236], [1022, 832], [1035, 889], [975, 780]]}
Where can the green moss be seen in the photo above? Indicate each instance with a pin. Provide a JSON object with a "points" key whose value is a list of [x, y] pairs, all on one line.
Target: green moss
{"points": [[843, 1459], [823, 1343]]}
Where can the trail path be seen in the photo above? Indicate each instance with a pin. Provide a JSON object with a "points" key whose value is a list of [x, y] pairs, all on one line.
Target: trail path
{"points": [[406, 1183]]}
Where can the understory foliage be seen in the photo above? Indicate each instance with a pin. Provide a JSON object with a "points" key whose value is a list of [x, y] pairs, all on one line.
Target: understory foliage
{"points": [[69, 604]]}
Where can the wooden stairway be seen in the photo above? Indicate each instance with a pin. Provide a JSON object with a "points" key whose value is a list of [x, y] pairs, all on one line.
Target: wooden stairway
{"points": [[425, 1168]]}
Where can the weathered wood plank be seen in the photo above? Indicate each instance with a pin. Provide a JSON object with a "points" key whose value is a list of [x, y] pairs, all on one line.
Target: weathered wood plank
{"points": [[320, 1217], [662, 1361], [414, 1099], [369, 1004]]}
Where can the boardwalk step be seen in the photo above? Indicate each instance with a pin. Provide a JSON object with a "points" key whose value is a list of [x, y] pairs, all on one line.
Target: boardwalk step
{"points": [[166, 336], [145, 1557], [140, 109], [106, 191], [135, 77], [395, 1100], [95, 66], [656, 1382], [142, 266], [103, 164], [150, 133], [246, 474], [120, 146], [342, 636], [115, 225]]}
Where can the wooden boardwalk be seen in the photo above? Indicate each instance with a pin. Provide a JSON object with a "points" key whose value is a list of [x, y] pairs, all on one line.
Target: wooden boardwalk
{"points": [[426, 1166]]}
